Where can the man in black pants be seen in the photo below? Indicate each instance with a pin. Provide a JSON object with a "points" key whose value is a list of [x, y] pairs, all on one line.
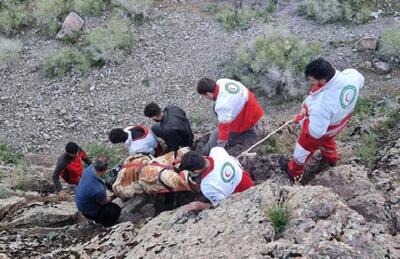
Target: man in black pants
{"points": [[174, 127], [91, 196]]}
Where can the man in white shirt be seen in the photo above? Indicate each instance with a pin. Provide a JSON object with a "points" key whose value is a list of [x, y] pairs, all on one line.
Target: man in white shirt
{"points": [[325, 113], [137, 139], [220, 175]]}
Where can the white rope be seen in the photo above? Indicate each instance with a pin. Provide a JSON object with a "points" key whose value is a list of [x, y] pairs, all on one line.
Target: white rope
{"points": [[246, 152]]}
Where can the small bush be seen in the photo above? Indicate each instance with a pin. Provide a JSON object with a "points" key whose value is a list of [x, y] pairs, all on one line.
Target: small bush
{"points": [[137, 10], [14, 14], [367, 149], [65, 60], [114, 153], [9, 155], [389, 44], [364, 108], [89, 7], [272, 145], [389, 127], [232, 19], [9, 50], [106, 44], [278, 214], [273, 62], [4, 192], [50, 14], [353, 11]]}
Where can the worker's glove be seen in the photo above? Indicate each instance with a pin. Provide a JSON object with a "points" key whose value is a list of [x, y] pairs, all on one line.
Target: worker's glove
{"points": [[221, 143], [298, 117]]}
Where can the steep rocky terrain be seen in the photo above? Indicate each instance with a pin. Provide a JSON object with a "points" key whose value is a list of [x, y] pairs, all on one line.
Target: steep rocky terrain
{"points": [[348, 211]]}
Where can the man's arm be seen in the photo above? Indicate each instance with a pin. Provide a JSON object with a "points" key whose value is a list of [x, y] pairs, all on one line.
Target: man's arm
{"points": [[86, 159], [173, 139], [60, 167]]}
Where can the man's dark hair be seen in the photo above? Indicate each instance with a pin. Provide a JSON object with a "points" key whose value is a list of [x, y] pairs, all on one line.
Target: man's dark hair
{"points": [[152, 109], [192, 161], [71, 148], [101, 163], [117, 135], [206, 85], [320, 69]]}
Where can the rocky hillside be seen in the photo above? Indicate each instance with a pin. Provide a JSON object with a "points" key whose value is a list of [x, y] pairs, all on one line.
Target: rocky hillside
{"points": [[348, 211]]}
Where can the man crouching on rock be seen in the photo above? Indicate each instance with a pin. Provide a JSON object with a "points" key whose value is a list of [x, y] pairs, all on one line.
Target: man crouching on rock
{"points": [[69, 167], [220, 176], [91, 197]]}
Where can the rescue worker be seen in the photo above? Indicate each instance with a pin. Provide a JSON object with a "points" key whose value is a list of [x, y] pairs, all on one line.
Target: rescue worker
{"points": [[70, 167], [174, 128], [220, 176], [91, 196], [137, 139], [325, 113], [236, 108]]}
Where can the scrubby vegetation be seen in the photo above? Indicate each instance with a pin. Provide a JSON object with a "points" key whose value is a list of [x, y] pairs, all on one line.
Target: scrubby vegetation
{"points": [[273, 145], [49, 14], [14, 14], [107, 44], [367, 149], [137, 10], [65, 60], [351, 11], [273, 62], [100, 45], [278, 214], [9, 155], [9, 50], [389, 44], [89, 7], [241, 18], [115, 153], [4, 192]]}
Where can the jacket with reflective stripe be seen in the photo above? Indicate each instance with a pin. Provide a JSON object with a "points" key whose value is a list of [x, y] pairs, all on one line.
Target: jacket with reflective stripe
{"points": [[144, 144], [329, 107], [236, 107]]}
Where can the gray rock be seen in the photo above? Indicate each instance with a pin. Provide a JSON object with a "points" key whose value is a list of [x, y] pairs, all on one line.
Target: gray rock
{"points": [[44, 214], [352, 184], [333, 230], [72, 24], [381, 68], [368, 43]]}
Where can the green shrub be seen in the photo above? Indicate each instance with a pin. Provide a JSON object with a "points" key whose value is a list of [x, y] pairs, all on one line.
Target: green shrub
{"points": [[278, 214], [9, 50], [4, 192], [364, 108], [354, 11], [389, 44], [138, 10], [14, 14], [367, 149], [50, 14], [89, 7], [106, 44], [114, 153], [9, 155], [65, 60], [273, 62], [272, 145], [232, 19], [388, 128]]}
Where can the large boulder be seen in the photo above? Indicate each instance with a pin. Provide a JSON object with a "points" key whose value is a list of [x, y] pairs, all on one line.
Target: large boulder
{"points": [[321, 226], [44, 214], [114, 244], [352, 184], [72, 24]]}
